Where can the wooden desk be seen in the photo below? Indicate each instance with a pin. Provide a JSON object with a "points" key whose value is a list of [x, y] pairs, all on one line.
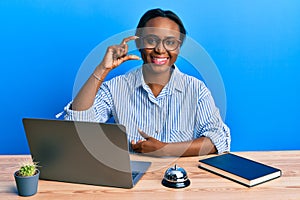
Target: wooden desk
{"points": [[204, 185]]}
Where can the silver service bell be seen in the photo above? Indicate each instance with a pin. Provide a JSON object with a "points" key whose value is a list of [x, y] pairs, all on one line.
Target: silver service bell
{"points": [[176, 177]]}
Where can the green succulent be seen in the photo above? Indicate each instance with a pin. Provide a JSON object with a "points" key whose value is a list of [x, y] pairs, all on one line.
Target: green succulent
{"points": [[28, 169]]}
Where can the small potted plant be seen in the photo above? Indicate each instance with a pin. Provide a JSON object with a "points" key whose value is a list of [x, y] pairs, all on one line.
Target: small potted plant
{"points": [[27, 178]]}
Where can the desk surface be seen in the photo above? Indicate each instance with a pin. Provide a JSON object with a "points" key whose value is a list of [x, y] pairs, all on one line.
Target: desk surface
{"points": [[204, 185]]}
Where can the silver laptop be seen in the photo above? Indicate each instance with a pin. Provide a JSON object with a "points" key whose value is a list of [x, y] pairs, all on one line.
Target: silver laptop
{"points": [[83, 152]]}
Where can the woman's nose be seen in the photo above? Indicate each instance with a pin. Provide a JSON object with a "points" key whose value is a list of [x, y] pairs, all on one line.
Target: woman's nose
{"points": [[160, 48]]}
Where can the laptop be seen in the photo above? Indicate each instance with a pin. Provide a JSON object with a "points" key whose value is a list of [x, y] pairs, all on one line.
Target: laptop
{"points": [[83, 152]]}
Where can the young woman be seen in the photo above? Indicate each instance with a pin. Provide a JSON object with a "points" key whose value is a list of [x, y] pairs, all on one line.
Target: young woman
{"points": [[166, 112]]}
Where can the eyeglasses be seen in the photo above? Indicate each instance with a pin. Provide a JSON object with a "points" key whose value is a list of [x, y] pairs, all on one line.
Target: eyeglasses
{"points": [[152, 41]]}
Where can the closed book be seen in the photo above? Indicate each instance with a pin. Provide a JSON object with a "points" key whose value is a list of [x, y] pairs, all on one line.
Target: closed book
{"points": [[239, 169]]}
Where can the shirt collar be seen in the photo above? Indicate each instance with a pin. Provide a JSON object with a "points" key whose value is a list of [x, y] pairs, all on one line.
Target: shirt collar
{"points": [[175, 82], [139, 78]]}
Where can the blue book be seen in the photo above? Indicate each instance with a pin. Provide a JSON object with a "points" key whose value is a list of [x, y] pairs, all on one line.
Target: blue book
{"points": [[239, 169]]}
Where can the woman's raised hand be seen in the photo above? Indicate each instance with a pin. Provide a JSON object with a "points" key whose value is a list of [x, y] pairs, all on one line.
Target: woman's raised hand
{"points": [[117, 54]]}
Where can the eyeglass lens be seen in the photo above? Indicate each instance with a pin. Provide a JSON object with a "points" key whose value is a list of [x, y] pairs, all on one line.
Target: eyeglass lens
{"points": [[169, 44]]}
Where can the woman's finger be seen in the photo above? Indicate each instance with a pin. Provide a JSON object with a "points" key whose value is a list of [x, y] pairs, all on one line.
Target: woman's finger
{"points": [[125, 40], [131, 57], [143, 134]]}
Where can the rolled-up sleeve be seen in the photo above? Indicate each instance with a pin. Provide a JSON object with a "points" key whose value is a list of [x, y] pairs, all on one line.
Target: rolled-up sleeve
{"points": [[220, 137], [85, 115], [211, 125], [100, 111]]}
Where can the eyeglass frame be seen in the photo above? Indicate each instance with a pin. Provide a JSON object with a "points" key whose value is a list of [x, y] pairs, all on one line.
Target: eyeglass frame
{"points": [[160, 41]]}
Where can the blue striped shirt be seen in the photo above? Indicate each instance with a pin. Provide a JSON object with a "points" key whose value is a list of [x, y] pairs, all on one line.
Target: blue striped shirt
{"points": [[184, 110]]}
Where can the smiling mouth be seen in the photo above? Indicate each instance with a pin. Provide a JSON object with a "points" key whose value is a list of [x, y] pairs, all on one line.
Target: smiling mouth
{"points": [[159, 61]]}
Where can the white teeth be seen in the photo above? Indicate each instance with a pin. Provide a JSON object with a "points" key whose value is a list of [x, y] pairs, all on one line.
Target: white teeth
{"points": [[160, 59]]}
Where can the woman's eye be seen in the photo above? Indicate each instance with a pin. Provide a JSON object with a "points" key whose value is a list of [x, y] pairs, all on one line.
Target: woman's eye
{"points": [[151, 41], [170, 42]]}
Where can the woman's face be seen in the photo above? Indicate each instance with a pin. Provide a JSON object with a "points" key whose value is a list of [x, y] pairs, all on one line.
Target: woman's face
{"points": [[162, 33]]}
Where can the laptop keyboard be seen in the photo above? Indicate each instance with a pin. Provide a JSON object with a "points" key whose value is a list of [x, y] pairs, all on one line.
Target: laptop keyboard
{"points": [[134, 174]]}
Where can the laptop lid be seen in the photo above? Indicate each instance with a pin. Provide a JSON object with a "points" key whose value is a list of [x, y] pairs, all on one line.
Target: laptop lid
{"points": [[82, 152]]}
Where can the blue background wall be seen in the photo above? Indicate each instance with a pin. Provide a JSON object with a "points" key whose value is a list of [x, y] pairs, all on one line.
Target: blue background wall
{"points": [[255, 44]]}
